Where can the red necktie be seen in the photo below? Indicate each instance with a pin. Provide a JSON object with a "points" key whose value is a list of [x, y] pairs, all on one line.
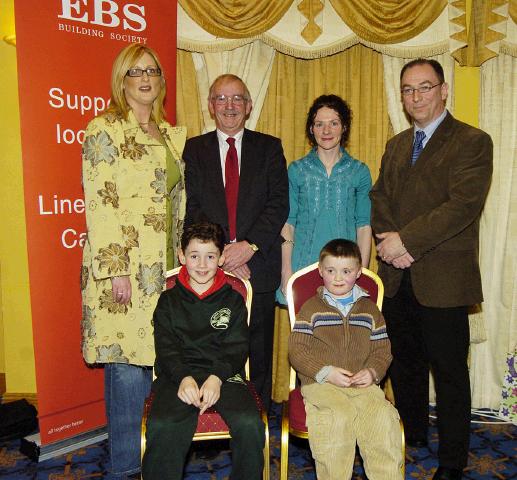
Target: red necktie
{"points": [[231, 176]]}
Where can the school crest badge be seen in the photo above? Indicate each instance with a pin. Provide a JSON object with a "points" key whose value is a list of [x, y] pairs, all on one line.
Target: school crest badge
{"points": [[221, 319]]}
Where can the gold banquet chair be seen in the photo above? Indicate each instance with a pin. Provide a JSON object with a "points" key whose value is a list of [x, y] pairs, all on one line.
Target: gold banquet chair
{"points": [[301, 286], [210, 425]]}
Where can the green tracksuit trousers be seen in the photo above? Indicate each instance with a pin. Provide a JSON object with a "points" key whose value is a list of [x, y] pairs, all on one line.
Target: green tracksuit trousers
{"points": [[171, 425]]}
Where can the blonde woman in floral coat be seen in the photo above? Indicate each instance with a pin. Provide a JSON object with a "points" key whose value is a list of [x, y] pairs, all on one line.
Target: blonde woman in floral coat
{"points": [[134, 194]]}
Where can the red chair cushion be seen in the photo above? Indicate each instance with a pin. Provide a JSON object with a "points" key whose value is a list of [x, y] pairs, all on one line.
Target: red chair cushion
{"points": [[297, 411], [211, 421], [304, 287]]}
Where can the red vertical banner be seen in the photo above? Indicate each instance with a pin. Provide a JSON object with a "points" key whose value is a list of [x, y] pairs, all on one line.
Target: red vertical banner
{"points": [[65, 51]]}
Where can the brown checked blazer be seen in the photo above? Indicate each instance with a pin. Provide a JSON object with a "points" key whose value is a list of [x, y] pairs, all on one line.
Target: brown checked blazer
{"points": [[435, 206]]}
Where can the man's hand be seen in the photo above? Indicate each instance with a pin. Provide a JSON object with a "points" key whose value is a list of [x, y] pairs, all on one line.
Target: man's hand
{"points": [[364, 378], [390, 247], [210, 392], [188, 392], [339, 377], [236, 255], [243, 272], [404, 261]]}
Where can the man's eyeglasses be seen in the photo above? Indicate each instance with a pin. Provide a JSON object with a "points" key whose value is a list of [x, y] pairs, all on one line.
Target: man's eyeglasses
{"points": [[407, 91], [138, 72], [224, 99]]}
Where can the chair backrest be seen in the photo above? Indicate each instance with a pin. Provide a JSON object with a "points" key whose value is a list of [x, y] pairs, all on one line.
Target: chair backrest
{"points": [[243, 287], [303, 285]]}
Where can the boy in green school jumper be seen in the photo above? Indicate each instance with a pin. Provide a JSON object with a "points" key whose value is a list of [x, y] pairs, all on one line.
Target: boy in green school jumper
{"points": [[201, 341]]}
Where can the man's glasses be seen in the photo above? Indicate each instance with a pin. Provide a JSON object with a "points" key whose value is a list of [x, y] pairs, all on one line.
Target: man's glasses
{"points": [[138, 72], [407, 91], [224, 99]]}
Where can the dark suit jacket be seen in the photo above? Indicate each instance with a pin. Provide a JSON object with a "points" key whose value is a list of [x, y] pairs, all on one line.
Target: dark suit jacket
{"points": [[263, 203], [435, 206]]}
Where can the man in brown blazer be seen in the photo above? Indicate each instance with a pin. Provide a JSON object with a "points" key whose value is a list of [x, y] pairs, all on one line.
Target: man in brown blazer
{"points": [[426, 206]]}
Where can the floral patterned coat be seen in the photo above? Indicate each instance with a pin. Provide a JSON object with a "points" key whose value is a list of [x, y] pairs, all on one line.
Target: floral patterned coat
{"points": [[124, 181]]}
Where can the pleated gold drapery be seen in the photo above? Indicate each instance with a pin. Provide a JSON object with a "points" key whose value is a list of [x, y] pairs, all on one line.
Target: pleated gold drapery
{"points": [[188, 108], [487, 31], [483, 32], [512, 10], [235, 19], [377, 21], [388, 21], [356, 75]]}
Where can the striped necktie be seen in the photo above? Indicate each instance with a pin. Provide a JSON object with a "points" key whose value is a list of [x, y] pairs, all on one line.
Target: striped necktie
{"points": [[417, 146]]}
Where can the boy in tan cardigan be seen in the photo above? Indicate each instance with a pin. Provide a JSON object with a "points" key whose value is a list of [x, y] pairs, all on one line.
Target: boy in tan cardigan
{"points": [[340, 349]]}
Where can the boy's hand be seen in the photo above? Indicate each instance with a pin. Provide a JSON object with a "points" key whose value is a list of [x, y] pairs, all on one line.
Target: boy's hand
{"points": [[339, 377], [188, 392], [209, 392], [364, 378]]}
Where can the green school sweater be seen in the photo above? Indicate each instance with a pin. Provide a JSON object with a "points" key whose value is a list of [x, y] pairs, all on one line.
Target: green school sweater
{"points": [[200, 337]]}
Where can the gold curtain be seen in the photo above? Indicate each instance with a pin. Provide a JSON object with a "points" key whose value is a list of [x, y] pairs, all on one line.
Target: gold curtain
{"points": [[188, 108], [512, 10], [356, 75], [483, 32], [388, 21], [377, 21], [235, 19]]}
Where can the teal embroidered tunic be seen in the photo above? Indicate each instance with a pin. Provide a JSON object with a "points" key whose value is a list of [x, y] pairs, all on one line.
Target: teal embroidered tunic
{"points": [[323, 208]]}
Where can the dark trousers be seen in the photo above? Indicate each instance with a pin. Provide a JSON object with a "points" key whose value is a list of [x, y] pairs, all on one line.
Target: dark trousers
{"points": [[262, 324], [437, 338], [171, 425]]}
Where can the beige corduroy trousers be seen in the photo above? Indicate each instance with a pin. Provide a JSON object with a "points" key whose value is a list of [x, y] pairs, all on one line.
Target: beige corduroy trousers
{"points": [[338, 418]]}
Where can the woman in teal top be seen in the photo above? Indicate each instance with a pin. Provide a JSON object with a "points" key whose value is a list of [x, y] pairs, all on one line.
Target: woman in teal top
{"points": [[328, 191]]}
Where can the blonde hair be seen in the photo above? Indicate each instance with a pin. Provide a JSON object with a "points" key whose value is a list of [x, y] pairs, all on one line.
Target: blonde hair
{"points": [[126, 59]]}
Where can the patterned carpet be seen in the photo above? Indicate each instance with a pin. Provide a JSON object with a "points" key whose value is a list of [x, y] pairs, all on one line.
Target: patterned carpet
{"points": [[493, 455]]}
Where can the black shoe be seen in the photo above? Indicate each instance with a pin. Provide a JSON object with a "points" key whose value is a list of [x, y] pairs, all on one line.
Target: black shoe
{"points": [[416, 442], [446, 473]]}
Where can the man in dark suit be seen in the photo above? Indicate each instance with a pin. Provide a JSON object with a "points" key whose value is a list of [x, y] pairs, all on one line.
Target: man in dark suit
{"points": [[426, 206], [237, 178]]}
